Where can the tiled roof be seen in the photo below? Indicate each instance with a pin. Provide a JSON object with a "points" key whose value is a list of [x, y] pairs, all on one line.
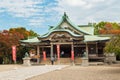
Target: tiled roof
{"points": [[63, 30], [33, 40], [89, 38], [86, 30]]}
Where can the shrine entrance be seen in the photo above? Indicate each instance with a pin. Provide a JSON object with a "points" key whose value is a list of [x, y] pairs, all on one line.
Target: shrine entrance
{"points": [[65, 51]]}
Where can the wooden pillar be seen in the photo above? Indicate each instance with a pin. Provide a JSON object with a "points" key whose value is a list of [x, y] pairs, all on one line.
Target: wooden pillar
{"points": [[87, 51], [44, 55], [51, 53], [58, 51], [38, 50], [38, 53], [96, 48], [72, 52], [85, 58]]}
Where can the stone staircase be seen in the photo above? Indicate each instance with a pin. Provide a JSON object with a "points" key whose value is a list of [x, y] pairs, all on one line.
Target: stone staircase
{"points": [[65, 61], [45, 62], [78, 61]]}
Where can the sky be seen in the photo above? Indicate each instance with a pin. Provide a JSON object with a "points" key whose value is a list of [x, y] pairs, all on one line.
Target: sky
{"points": [[38, 15]]}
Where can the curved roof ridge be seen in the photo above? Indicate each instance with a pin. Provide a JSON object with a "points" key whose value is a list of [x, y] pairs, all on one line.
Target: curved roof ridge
{"points": [[56, 30], [65, 17]]}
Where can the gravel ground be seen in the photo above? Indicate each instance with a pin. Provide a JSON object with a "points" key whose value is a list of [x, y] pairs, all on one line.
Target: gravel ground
{"points": [[9, 67], [82, 73], [15, 73], [104, 72]]}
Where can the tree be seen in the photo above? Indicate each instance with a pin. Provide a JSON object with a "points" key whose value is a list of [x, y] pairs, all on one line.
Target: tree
{"points": [[32, 33], [98, 27], [11, 37], [7, 40], [20, 30], [113, 30], [106, 28], [113, 46], [24, 32]]}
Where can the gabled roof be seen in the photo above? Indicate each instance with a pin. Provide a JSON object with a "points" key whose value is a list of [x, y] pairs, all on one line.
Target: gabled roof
{"points": [[66, 18], [87, 30], [87, 38], [60, 30]]}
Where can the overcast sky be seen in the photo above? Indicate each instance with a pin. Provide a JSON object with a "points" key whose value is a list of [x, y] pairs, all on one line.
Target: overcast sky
{"points": [[38, 15]]}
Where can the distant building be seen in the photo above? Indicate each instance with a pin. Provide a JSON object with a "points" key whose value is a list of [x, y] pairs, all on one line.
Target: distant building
{"points": [[71, 39]]}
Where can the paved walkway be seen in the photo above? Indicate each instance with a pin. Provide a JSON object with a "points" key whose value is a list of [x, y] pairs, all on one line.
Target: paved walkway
{"points": [[28, 72], [108, 72]]}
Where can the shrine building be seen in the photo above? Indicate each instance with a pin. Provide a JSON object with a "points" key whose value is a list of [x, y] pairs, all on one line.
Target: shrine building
{"points": [[68, 43]]}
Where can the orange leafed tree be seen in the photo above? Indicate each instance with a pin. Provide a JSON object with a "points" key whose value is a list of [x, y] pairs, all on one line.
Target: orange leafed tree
{"points": [[7, 39], [11, 37], [108, 28]]}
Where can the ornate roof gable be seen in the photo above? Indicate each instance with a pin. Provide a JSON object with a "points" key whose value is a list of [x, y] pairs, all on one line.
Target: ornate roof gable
{"points": [[65, 23]]}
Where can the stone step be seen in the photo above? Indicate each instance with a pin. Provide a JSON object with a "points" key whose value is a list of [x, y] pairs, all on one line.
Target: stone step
{"points": [[96, 63]]}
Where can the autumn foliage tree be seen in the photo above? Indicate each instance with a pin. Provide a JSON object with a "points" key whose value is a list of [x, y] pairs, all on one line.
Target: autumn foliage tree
{"points": [[24, 32], [107, 28], [113, 29], [11, 37], [7, 39]]}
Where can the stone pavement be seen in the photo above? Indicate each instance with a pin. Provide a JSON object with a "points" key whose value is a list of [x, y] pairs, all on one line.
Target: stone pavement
{"points": [[28, 72], [103, 72]]}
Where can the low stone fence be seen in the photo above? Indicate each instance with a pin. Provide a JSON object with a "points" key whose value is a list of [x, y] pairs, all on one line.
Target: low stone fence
{"points": [[110, 58]]}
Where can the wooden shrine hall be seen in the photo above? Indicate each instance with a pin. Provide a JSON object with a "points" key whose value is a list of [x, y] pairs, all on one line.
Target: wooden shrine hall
{"points": [[68, 43]]}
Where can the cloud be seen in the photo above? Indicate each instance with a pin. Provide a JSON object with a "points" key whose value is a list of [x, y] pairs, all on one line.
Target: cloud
{"points": [[36, 22], [79, 3], [20, 8], [84, 11], [75, 2], [41, 13], [26, 9], [1, 10]]}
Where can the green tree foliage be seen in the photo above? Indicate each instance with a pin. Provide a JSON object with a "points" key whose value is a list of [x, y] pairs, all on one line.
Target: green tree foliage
{"points": [[98, 27], [106, 28], [24, 32], [113, 46], [32, 33]]}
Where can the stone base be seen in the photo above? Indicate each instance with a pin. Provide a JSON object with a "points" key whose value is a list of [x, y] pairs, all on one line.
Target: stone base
{"points": [[85, 62], [26, 61], [110, 58]]}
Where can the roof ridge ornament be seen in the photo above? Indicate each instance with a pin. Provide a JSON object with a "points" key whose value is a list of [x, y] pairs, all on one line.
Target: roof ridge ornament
{"points": [[65, 15]]}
